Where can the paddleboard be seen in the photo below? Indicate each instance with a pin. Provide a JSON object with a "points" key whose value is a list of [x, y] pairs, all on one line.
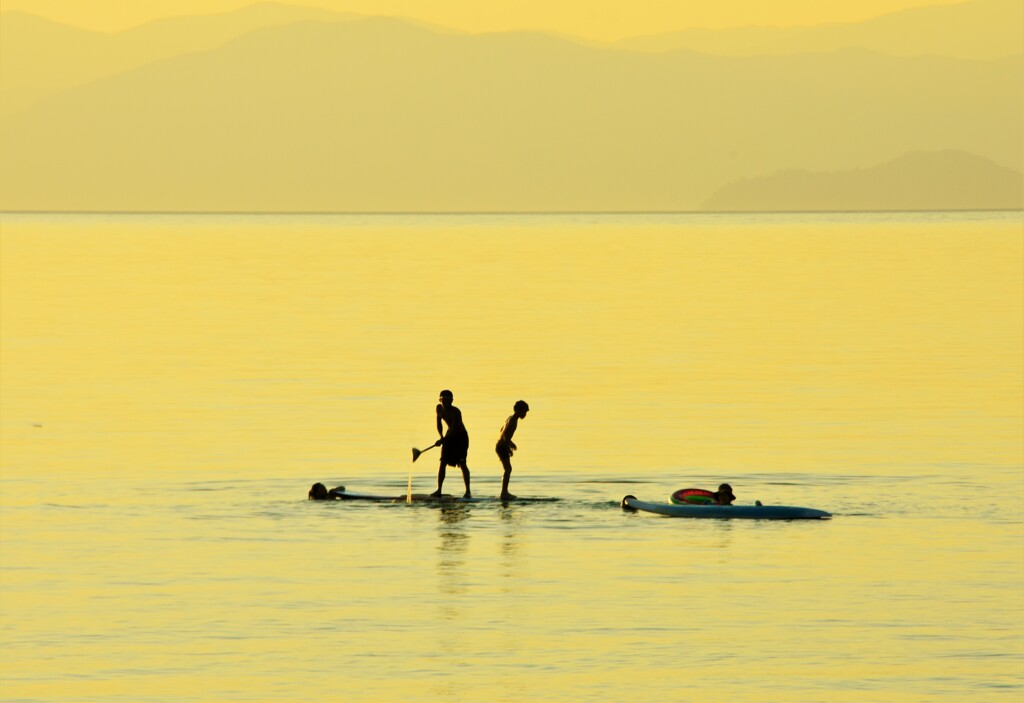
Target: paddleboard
{"points": [[426, 498], [726, 512]]}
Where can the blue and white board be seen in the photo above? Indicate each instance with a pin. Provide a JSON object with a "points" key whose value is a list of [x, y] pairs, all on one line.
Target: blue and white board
{"points": [[726, 512]]}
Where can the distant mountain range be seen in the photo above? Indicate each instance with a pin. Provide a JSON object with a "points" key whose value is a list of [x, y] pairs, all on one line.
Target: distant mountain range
{"points": [[40, 58], [984, 29], [279, 108]]}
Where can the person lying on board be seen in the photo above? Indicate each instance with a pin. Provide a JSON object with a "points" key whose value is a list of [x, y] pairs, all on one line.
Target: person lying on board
{"points": [[505, 446], [319, 492], [454, 444], [723, 496]]}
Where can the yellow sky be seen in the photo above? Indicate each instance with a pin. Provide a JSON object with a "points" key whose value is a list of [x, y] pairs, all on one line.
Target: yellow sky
{"points": [[595, 19]]}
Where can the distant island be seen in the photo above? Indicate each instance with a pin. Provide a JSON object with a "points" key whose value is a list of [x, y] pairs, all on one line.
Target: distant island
{"points": [[277, 108], [948, 180]]}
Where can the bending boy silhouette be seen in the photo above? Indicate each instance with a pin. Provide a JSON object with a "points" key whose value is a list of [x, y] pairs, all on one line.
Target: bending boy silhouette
{"points": [[505, 446]]}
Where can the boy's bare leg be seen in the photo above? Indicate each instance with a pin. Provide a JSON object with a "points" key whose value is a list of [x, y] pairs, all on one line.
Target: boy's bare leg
{"points": [[507, 463], [440, 480]]}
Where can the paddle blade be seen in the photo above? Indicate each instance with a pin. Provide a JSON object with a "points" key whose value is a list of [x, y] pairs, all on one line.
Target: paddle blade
{"points": [[416, 453]]}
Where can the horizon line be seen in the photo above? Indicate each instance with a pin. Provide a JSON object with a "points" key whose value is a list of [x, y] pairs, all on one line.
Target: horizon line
{"points": [[469, 213]]}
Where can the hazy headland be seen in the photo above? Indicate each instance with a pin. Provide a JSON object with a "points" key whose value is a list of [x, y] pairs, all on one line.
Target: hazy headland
{"points": [[281, 108]]}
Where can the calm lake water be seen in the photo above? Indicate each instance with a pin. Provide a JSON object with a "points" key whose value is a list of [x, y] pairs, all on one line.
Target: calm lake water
{"points": [[172, 385]]}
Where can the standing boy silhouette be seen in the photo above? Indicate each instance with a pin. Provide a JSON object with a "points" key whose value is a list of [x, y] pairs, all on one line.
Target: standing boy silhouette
{"points": [[454, 444]]}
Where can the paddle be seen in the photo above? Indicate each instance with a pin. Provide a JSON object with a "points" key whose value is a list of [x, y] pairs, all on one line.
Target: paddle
{"points": [[416, 452]]}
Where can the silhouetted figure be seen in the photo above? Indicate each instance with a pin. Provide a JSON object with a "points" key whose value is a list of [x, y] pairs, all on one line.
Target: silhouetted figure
{"points": [[454, 443], [319, 492], [505, 446], [723, 496]]}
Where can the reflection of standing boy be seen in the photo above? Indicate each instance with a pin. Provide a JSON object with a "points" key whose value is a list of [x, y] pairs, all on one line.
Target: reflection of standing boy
{"points": [[506, 446]]}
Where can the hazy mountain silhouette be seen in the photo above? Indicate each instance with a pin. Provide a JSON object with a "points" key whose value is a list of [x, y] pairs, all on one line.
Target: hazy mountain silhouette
{"points": [[980, 29], [380, 115], [917, 181], [39, 57]]}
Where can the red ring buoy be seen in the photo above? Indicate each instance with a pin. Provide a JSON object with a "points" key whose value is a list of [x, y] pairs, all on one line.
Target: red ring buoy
{"points": [[693, 496]]}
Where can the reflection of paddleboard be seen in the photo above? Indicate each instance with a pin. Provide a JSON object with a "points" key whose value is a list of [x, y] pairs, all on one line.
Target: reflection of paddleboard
{"points": [[425, 498], [752, 512], [693, 496]]}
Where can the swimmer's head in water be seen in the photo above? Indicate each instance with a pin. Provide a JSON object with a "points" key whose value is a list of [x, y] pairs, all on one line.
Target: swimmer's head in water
{"points": [[318, 492]]}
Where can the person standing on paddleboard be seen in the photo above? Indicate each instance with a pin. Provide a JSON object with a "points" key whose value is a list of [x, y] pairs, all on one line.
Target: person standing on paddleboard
{"points": [[454, 444], [506, 446]]}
